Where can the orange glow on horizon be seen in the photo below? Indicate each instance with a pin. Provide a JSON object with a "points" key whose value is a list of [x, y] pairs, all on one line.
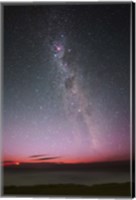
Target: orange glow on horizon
{"points": [[17, 163], [8, 161]]}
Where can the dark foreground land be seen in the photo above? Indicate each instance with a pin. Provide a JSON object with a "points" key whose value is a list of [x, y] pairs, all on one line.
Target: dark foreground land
{"points": [[111, 189]]}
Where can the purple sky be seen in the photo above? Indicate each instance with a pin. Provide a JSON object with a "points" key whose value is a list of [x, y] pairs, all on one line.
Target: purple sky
{"points": [[66, 83]]}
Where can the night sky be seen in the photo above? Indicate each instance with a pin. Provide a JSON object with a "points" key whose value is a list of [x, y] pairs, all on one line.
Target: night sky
{"points": [[66, 83]]}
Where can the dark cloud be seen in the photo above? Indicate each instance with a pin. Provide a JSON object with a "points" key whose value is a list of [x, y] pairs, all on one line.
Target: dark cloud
{"points": [[69, 83], [48, 158], [36, 156]]}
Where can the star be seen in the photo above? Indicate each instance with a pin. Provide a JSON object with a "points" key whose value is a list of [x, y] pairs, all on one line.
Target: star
{"points": [[41, 107]]}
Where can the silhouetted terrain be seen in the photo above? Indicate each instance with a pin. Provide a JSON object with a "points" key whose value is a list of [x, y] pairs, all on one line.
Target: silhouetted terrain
{"points": [[60, 173], [100, 166], [112, 189], [81, 179]]}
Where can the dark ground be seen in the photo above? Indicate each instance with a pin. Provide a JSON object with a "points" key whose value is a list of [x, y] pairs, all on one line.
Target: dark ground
{"points": [[112, 189]]}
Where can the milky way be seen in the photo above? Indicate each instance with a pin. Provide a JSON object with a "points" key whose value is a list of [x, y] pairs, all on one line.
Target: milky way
{"points": [[74, 102], [66, 82]]}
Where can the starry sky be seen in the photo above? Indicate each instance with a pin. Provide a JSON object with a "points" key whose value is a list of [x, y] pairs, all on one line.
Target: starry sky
{"points": [[66, 83]]}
